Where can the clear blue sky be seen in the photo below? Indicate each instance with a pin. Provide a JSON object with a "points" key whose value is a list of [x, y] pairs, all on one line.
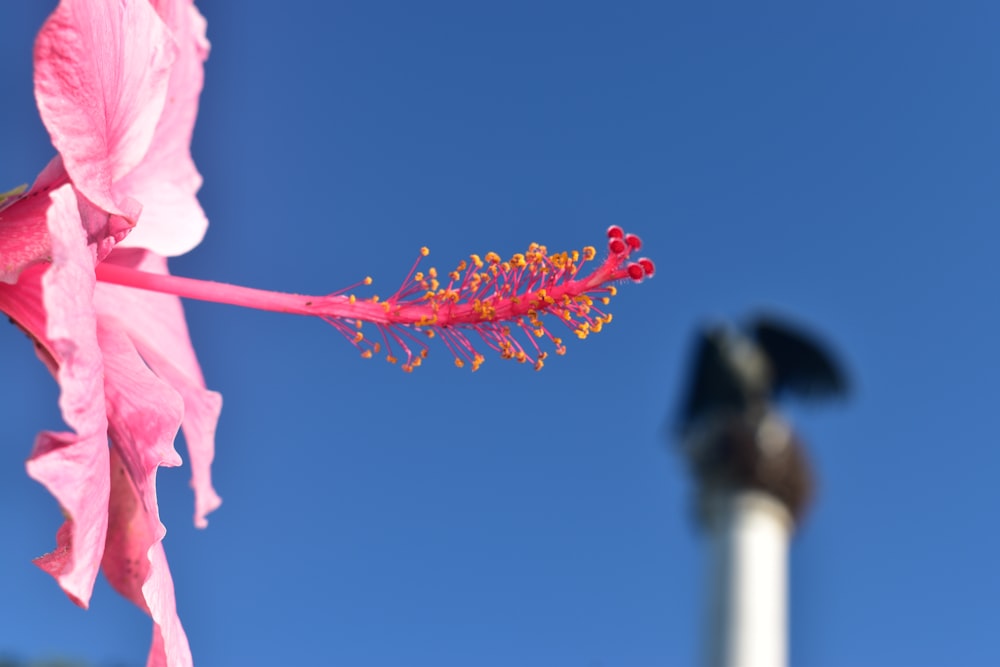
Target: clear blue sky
{"points": [[839, 163]]}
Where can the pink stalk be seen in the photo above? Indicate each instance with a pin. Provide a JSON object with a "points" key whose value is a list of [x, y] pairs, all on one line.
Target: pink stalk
{"points": [[492, 298]]}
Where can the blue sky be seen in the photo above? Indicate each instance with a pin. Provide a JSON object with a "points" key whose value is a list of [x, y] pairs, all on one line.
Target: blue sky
{"points": [[836, 162]]}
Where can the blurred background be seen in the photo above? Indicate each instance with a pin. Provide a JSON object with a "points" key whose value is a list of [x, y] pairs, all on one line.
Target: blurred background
{"points": [[833, 162]]}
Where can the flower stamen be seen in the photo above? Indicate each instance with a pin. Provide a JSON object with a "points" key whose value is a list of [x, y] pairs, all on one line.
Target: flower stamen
{"points": [[491, 298]]}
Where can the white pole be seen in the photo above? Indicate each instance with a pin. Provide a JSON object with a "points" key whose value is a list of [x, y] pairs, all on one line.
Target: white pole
{"points": [[749, 533]]}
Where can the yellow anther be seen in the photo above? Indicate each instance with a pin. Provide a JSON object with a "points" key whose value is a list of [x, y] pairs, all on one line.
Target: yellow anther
{"points": [[477, 361], [375, 299], [358, 337], [538, 364], [424, 251], [459, 363], [352, 299], [391, 359], [492, 257], [539, 333], [367, 354], [418, 276], [368, 280], [435, 284], [377, 347], [386, 306], [612, 290], [454, 275], [605, 300], [476, 261], [589, 253]]}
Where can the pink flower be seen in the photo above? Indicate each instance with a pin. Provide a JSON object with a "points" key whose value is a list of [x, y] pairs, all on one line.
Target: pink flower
{"points": [[83, 273], [117, 85]]}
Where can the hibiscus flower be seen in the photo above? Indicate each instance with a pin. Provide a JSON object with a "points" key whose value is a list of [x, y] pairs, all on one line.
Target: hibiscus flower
{"points": [[83, 272], [117, 86]]}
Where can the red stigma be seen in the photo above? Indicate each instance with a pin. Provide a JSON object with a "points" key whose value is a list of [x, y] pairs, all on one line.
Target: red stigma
{"points": [[635, 272], [633, 241], [615, 232], [647, 266]]}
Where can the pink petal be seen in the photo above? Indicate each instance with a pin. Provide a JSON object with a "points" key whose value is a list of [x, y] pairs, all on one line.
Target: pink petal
{"points": [[24, 232], [136, 565], [173, 221], [170, 645], [155, 323], [166, 181], [70, 466], [55, 306], [144, 414], [104, 230], [101, 74]]}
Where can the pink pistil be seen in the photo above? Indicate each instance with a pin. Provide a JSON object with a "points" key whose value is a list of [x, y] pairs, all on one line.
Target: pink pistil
{"points": [[490, 297]]}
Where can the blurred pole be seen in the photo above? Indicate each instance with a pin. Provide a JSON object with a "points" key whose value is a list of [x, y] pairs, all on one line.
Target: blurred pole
{"points": [[753, 484], [748, 580], [753, 478]]}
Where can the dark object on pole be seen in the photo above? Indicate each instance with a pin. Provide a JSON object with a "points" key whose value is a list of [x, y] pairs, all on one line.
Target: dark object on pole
{"points": [[737, 371], [731, 432]]}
